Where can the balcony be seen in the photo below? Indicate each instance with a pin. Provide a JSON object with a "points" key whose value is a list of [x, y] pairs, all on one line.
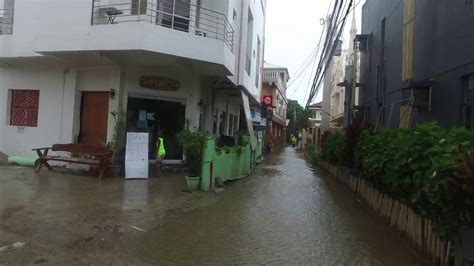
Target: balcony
{"points": [[274, 77], [6, 21], [183, 17]]}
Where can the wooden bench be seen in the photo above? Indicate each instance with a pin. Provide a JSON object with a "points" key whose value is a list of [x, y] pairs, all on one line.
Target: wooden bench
{"points": [[100, 156]]}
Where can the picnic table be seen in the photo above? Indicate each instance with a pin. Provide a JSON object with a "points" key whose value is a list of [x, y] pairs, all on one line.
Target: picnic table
{"points": [[99, 156]]}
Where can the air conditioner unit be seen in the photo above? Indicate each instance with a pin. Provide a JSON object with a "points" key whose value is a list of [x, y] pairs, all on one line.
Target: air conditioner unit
{"points": [[420, 94], [363, 40]]}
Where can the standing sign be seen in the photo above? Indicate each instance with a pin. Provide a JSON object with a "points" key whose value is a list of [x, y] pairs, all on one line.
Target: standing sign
{"points": [[136, 156]]}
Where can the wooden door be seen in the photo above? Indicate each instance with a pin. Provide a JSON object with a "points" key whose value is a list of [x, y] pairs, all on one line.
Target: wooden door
{"points": [[94, 117]]}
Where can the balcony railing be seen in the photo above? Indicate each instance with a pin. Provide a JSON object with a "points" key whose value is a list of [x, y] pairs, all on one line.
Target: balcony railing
{"points": [[6, 21], [274, 76], [184, 17]]}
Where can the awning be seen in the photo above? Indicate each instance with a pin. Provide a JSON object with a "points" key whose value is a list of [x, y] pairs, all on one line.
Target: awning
{"points": [[248, 119]]}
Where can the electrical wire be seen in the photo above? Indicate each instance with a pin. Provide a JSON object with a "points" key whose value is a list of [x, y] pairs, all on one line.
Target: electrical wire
{"points": [[325, 56], [301, 72]]}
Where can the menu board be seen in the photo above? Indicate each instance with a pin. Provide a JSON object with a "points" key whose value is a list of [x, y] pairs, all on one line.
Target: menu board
{"points": [[136, 155]]}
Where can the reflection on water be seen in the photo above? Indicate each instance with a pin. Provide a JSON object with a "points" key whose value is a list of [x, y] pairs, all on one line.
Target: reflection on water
{"points": [[285, 213], [135, 194]]}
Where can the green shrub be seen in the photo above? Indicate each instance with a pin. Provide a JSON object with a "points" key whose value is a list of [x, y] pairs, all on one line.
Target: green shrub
{"points": [[193, 146], [312, 152], [413, 166], [333, 148]]}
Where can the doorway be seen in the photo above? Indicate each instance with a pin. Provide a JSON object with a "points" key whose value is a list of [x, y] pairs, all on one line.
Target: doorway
{"points": [[151, 116], [94, 118]]}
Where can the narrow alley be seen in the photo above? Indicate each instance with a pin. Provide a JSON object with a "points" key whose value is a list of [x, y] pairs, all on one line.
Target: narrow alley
{"points": [[285, 213]]}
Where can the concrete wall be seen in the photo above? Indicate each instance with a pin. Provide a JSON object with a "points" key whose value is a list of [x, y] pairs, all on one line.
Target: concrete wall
{"points": [[442, 53], [241, 77], [49, 81], [59, 106]]}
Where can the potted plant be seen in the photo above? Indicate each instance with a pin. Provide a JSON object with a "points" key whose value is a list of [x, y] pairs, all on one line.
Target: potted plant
{"points": [[117, 145], [193, 145]]}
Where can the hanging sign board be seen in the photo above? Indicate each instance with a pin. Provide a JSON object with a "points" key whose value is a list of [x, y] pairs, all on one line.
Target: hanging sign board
{"points": [[248, 119], [159, 83], [136, 156], [267, 100]]}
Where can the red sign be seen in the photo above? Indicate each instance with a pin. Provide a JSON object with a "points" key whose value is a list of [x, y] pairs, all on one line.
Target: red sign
{"points": [[267, 100]]}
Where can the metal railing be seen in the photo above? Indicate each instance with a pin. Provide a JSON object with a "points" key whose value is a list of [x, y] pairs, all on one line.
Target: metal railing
{"points": [[6, 21], [189, 18], [274, 76]]}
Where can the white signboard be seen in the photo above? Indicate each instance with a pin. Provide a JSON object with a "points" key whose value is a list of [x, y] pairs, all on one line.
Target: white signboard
{"points": [[136, 156]]}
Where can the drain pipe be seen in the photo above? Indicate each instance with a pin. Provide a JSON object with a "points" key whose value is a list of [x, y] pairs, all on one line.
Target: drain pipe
{"points": [[61, 116]]}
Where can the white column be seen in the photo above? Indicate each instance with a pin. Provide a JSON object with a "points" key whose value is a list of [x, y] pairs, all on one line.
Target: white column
{"points": [[68, 107]]}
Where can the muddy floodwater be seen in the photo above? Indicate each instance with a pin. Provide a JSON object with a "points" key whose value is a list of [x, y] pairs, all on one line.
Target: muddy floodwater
{"points": [[284, 213]]}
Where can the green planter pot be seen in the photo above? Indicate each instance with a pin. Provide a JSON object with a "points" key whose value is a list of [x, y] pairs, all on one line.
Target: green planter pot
{"points": [[193, 182]]}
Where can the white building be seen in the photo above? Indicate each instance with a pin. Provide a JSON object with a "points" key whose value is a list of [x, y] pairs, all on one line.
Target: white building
{"points": [[338, 73], [275, 85], [65, 66]]}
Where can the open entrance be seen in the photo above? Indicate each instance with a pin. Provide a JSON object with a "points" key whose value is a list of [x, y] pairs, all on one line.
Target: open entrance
{"points": [[150, 116], [94, 117]]}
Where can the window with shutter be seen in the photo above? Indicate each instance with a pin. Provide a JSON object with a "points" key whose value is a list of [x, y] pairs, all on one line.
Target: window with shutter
{"points": [[24, 108]]}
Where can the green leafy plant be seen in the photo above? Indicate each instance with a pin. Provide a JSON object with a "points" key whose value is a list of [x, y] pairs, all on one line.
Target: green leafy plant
{"points": [[117, 145], [333, 148], [351, 139], [193, 146], [243, 138], [312, 152], [413, 166]]}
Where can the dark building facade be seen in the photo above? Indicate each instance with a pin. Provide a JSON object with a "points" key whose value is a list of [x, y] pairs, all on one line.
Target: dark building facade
{"points": [[417, 62]]}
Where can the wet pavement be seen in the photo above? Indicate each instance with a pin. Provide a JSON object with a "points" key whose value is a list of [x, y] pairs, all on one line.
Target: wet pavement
{"points": [[285, 213]]}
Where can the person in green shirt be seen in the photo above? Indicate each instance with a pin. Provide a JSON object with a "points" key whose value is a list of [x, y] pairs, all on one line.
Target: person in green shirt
{"points": [[160, 152]]}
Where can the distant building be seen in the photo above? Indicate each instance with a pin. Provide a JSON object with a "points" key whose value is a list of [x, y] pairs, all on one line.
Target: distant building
{"points": [[274, 101], [339, 76], [313, 133], [417, 62]]}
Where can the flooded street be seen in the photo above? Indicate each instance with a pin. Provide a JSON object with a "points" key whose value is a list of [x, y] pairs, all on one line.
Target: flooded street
{"points": [[284, 213]]}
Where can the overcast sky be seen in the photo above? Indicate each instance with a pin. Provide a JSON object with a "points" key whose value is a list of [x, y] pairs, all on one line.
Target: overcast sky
{"points": [[292, 33]]}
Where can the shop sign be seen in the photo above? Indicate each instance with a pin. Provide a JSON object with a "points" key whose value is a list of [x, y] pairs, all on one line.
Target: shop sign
{"points": [[159, 83], [267, 100], [256, 117]]}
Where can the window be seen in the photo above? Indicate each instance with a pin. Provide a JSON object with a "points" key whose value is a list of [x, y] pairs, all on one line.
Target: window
{"points": [[468, 100], [214, 121], [257, 70], [139, 5], [231, 126], [222, 123], [249, 47], [24, 108]]}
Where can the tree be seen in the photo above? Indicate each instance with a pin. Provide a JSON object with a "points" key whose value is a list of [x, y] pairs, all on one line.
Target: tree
{"points": [[298, 117]]}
